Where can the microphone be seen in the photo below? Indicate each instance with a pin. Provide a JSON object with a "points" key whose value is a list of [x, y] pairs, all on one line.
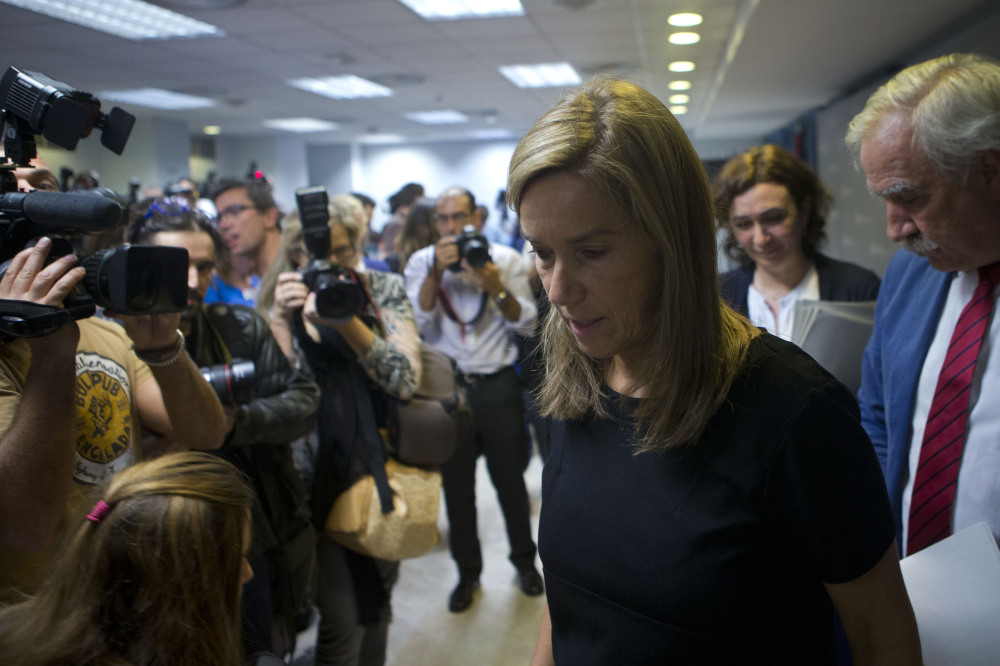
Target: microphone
{"points": [[76, 211]]}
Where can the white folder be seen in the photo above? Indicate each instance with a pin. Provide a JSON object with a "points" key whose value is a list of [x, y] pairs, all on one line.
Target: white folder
{"points": [[835, 334], [954, 587]]}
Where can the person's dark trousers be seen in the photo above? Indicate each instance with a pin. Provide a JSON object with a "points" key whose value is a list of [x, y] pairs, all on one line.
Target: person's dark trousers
{"points": [[256, 605], [498, 411], [353, 596]]}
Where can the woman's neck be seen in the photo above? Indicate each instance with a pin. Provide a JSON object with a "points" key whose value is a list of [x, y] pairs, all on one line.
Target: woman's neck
{"points": [[620, 378], [774, 284]]}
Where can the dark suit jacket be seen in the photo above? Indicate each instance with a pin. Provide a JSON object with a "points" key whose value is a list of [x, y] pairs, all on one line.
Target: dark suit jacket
{"points": [[838, 281]]}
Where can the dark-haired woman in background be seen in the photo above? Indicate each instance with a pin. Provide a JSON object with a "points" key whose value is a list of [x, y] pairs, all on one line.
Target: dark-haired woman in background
{"points": [[419, 230], [774, 208]]}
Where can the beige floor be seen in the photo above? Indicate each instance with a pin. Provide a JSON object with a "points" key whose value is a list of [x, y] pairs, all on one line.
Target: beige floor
{"points": [[500, 627]]}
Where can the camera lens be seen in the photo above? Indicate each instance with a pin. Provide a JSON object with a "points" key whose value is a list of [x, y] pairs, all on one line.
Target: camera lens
{"points": [[476, 253], [337, 300], [234, 384]]}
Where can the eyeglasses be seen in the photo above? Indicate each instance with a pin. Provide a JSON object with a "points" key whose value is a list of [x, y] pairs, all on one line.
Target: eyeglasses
{"points": [[343, 253], [233, 211], [460, 217]]}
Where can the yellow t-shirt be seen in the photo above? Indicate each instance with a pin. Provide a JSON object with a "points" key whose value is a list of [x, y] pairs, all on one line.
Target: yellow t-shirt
{"points": [[107, 423]]}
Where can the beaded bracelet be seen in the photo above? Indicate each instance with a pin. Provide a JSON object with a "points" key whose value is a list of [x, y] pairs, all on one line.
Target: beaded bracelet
{"points": [[178, 350]]}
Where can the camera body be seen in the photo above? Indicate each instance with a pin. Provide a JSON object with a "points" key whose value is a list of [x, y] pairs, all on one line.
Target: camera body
{"points": [[233, 383], [473, 247], [338, 296]]}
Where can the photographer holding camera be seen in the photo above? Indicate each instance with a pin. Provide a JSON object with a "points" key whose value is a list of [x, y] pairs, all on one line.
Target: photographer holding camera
{"points": [[470, 298], [127, 378], [357, 333], [267, 403]]}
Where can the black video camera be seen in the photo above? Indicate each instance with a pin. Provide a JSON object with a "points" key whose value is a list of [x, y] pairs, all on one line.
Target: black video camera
{"points": [[473, 247], [129, 280], [233, 383], [338, 296]]}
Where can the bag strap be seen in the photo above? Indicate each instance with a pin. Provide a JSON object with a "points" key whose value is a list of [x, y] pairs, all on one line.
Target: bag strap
{"points": [[374, 453]]}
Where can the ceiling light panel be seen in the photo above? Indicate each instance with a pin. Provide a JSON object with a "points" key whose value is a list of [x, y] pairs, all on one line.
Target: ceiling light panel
{"points": [[685, 20], [130, 19], [680, 85], [450, 10], [156, 98], [341, 87], [683, 38], [541, 76], [681, 66], [445, 117], [300, 125]]}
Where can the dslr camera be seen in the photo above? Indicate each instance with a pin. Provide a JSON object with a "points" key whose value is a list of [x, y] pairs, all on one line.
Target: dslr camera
{"points": [[338, 295], [473, 247], [129, 280]]}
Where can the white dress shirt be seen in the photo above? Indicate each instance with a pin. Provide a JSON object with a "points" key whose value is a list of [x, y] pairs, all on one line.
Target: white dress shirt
{"points": [[978, 494], [760, 312], [482, 345]]}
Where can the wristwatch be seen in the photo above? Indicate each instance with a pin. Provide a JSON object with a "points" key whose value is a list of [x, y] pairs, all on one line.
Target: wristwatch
{"points": [[501, 299]]}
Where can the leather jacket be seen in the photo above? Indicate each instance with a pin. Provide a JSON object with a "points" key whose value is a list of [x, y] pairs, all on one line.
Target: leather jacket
{"points": [[286, 401], [283, 409]]}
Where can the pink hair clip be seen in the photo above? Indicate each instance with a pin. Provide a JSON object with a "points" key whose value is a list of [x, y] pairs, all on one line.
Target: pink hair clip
{"points": [[100, 510]]}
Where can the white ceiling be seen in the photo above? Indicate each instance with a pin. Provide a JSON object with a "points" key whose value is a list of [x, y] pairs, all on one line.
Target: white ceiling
{"points": [[760, 63]]}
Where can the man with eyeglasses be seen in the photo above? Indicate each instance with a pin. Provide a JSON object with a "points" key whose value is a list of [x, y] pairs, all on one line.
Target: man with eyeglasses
{"points": [[471, 313], [250, 222]]}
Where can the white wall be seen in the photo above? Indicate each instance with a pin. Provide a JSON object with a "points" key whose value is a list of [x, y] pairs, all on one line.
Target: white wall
{"points": [[480, 167]]}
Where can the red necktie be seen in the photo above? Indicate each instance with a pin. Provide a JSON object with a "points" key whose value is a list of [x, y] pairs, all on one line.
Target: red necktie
{"points": [[941, 451]]}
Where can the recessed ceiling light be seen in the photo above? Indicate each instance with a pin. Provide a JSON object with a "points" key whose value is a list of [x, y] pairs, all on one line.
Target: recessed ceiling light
{"points": [[300, 125], [211, 130], [449, 10], [685, 20], [156, 98], [680, 85], [679, 99], [541, 76], [341, 87], [681, 66], [678, 110], [130, 19], [445, 117], [682, 38]]}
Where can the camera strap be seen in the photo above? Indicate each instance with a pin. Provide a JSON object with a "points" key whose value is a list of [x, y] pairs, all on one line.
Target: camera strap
{"points": [[449, 309], [209, 314], [24, 319]]}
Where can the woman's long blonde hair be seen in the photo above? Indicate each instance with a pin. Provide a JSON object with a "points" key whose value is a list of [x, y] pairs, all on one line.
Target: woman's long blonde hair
{"points": [[157, 580], [634, 152]]}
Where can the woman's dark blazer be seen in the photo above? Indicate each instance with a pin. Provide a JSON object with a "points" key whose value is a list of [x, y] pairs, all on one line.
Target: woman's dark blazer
{"points": [[838, 281]]}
